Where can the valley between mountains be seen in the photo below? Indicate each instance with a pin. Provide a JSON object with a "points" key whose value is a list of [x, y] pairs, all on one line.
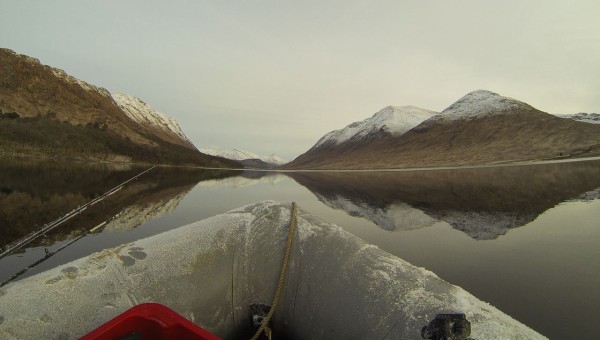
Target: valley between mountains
{"points": [[44, 112]]}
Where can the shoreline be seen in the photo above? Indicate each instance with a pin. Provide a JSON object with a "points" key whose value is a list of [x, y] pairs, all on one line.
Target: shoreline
{"points": [[42, 157], [55, 158], [453, 167]]}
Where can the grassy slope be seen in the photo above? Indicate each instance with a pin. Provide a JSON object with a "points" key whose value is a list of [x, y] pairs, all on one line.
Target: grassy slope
{"points": [[44, 135]]}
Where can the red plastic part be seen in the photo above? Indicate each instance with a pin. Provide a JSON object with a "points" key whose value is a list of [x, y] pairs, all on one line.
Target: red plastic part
{"points": [[150, 321]]}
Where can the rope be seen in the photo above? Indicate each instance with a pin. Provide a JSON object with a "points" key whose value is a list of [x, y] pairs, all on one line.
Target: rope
{"points": [[288, 248]]}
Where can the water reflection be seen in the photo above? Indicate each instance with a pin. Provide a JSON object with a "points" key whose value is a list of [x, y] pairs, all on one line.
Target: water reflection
{"points": [[557, 247], [33, 193], [483, 203], [243, 180]]}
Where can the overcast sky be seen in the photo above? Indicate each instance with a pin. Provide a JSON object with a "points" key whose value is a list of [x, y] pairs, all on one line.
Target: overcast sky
{"points": [[274, 76]]}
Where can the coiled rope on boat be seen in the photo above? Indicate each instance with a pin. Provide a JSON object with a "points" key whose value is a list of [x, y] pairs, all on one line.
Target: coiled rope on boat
{"points": [[282, 273]]}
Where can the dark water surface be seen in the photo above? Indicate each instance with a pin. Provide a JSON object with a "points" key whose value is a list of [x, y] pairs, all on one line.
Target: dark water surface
{"points": [[525, 239]]}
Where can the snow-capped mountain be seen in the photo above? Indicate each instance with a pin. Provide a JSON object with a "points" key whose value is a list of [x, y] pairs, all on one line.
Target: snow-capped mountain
{"points": [[142, 113], [241, 155], [235, 154], [481, 103], [482, 127], [390, 122], [273, 159], [393, 120], [78, 120]]}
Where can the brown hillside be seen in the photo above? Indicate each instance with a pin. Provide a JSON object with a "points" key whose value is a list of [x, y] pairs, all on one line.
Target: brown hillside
{"points": [[32, 89], [44, 111], [519, 135]]}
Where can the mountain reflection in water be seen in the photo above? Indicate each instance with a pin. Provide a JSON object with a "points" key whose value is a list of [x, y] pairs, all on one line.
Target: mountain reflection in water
{"points": [[33, 193], [484, 203]]}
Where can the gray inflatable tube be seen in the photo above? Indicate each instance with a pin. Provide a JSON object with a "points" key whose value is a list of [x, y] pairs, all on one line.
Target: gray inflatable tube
{"points": [[338, 286]]}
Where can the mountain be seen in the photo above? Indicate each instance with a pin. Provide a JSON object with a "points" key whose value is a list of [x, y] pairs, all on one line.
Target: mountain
{"points": [[392, 120], [480, 128], [248, 159], [46, 112], [389, 122]]}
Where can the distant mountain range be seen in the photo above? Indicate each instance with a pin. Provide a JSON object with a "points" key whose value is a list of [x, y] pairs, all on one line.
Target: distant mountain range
{"points": [[44, 111], [248, 159], [592, 118], [480, 128]]}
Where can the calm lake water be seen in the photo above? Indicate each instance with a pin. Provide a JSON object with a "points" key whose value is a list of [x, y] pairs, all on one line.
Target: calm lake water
{"points": [[525, 239]]}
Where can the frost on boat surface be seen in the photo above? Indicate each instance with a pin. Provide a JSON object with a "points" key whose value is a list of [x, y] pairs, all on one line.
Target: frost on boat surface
{"points": [[210, 272]]}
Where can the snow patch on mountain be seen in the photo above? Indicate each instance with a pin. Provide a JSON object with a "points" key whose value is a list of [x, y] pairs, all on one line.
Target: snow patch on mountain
{"points": [[592, 118], [143, 114], [69, 78], [235, 154], [394, 120], [481, 103], [240, 155], [273, 159]]}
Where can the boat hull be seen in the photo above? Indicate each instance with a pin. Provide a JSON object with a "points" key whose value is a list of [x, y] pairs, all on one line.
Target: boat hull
{"points": [[211, 271]]}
